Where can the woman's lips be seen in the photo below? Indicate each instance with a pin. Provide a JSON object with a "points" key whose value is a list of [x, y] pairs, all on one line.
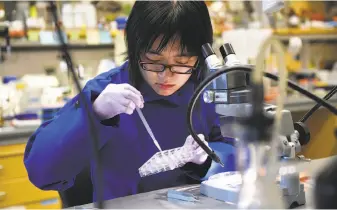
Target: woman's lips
{"points": [[165, 86]]}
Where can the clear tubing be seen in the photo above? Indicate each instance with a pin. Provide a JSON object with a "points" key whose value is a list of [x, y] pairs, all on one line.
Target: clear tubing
{"points": [[282, 87], [283, 74]]}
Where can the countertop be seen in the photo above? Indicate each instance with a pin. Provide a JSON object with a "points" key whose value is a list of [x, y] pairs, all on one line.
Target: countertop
{"points": [[11, 135], [158, 200]]}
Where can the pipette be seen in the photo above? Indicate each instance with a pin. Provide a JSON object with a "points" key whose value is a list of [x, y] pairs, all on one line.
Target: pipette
{"points": [[140, 113]]}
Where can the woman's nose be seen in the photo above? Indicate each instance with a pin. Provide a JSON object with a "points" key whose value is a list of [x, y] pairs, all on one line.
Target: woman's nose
{"points": [[165, 73]]}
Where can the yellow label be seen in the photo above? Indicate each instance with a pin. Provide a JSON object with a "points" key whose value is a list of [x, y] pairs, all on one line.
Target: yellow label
{"points": [[74, 35], [33, 11], [33, 35]]}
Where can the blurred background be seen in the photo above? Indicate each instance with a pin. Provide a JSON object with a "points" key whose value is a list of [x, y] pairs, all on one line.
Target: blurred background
{"points": [[35, 82]]}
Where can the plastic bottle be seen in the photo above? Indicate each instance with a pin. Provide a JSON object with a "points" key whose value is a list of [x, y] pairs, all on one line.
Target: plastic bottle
{"points": [[9, 97], [67, 15], [79, 15], [91, 15]]}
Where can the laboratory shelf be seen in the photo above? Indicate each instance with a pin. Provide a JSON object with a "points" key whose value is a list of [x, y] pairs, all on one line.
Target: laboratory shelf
{"points": [[304, 32], [309, 37], [307, 34], [36, 46]]}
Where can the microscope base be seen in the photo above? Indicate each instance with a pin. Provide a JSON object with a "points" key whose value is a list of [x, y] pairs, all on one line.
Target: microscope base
{"points": [[227, 187], [228, 194], [293, 201]]}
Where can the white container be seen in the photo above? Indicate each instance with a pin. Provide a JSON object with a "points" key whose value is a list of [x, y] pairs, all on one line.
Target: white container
{"points": [[91, 15], [67, 16], [79, 15]]}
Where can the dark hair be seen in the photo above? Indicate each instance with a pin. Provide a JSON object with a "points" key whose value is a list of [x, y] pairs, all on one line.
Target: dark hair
{"points": [[187, 20]]}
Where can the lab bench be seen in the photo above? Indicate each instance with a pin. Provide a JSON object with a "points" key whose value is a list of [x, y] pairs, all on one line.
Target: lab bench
{"points": [[15, 188], [158, 199]]}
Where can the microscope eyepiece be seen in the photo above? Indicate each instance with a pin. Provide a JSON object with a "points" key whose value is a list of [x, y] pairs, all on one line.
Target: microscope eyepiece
{"points": [[226, 50], [211, 59], [207, 50], [228, 55]]}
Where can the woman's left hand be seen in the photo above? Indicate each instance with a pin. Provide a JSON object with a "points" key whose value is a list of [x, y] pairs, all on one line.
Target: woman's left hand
{"points": [[199, 155]]}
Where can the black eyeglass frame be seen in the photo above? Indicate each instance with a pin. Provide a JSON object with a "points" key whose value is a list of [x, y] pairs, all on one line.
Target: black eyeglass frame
{"points": [[165, 66]]}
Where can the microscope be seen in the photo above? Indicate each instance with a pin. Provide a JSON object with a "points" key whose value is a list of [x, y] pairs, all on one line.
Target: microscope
{"points": [[231, 94]]}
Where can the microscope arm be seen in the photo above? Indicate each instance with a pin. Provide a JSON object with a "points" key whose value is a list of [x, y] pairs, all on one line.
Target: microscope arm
{"points": [[292, 135]]}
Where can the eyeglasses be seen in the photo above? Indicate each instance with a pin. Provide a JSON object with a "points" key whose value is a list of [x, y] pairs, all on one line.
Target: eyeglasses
{"points": [[156, 67]]}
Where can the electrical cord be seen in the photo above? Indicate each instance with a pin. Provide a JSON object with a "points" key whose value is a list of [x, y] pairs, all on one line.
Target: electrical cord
{"points": [[318, 105], [94, 136], [245, 68]]}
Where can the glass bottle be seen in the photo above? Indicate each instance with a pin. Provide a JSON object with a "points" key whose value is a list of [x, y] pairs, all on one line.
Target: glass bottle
{"points": [[259, 166]]}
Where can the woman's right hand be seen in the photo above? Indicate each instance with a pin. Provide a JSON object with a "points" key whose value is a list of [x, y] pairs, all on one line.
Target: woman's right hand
{"points": [[116, 99]]}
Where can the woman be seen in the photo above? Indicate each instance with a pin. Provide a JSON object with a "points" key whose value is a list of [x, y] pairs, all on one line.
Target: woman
{"points": [[164, 41]]}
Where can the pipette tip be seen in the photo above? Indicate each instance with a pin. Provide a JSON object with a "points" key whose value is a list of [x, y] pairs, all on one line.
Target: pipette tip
{"points": [[157, 145]]}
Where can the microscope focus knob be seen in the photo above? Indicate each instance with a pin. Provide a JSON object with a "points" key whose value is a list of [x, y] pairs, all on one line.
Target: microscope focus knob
{"points": [[303, 131], [209, 96]]}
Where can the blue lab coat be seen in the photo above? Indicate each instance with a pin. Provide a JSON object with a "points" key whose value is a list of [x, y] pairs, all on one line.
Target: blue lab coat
{"points": [[60, 148]]}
